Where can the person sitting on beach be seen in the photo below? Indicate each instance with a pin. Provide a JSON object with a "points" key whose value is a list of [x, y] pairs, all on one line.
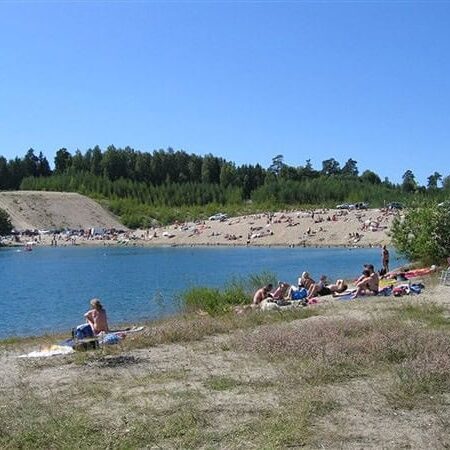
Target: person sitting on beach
{"points": [[96, 317], [305, 281], [281, 291], [262, 294], [368, 283]]}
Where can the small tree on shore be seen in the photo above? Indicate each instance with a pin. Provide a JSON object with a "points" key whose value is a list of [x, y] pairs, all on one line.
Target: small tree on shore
{"points": [[423, 234], [5, 223]]}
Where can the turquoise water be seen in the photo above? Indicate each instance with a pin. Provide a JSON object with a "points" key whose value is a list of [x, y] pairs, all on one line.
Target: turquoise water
{"points": [[49, 289]]}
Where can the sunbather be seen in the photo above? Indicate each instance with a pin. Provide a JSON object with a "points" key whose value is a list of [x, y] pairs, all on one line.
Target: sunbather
{"points": [[368, 283], [262, 294], [96, 317], [322, 288], [305, 281], [281, 291]]}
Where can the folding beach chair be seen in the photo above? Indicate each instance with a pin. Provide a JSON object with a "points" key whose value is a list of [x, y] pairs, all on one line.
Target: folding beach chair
{"points": [[445, 275]]}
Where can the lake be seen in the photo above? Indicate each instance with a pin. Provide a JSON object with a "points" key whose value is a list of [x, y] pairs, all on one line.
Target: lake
{"points": [[48, 289]]}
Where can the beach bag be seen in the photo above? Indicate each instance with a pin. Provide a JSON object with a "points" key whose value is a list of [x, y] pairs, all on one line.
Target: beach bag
{"points": [[300, 294]]}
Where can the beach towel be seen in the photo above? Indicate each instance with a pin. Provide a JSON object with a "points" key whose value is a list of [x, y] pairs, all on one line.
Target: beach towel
{"points": [[53, 350]]}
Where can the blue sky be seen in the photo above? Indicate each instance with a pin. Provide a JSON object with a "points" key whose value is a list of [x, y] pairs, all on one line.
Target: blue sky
{"points": [[241, 80]]}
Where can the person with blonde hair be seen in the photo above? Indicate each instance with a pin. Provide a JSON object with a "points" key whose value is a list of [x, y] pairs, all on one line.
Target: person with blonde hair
{"points": [[96, 317]]}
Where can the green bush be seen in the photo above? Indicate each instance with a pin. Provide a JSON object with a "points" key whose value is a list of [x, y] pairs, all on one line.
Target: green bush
{"points": [[238, 291], [5, 223], [423, 234]]}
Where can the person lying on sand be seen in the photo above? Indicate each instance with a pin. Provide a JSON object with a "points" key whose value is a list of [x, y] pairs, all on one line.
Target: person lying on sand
{"points": [[262, 294], [322, 288]]}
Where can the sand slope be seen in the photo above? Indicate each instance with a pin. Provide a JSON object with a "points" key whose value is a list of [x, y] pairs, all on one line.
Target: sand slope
{"points": [[295, 228], [50, 210]]}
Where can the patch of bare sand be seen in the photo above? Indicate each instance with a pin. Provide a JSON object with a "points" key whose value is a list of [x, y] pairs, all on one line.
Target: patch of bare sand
{"points": [[320, 227], [55, 210], [292, 228]]}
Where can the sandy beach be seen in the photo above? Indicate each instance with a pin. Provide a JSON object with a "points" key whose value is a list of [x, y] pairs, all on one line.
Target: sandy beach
{"points": [[47, 211], [319, 228]]}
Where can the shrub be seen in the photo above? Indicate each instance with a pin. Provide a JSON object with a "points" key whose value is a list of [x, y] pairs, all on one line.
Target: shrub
{"points": [[423, 234], [5, 223], [237, 292]]}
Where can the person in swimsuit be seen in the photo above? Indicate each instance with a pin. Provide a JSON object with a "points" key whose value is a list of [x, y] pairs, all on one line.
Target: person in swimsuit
{"points": [[385, 258], [262, 294], [368, 283], [96, 317]]}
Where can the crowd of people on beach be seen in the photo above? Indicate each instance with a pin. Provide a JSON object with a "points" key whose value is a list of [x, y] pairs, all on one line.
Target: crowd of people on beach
{"points": [[307, 289]]}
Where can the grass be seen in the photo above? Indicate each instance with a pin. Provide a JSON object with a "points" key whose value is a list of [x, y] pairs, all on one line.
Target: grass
{"points": [[270, 385], [218, 301], [192, 327], [16, 341], [334, 350], [222, 383], [288, 425], [430, 314]]}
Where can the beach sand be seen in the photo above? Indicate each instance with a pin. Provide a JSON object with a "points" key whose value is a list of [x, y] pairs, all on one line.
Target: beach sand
{"points": [[319, 228], [38, 210]]}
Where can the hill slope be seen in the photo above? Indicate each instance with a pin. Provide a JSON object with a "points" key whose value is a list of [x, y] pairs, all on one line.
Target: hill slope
{"points": [[49, 210]]}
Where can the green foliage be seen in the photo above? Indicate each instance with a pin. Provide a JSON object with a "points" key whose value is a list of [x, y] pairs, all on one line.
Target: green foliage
{"points": [[423, 234], [173, 185], [219, 301], [5, 223]]}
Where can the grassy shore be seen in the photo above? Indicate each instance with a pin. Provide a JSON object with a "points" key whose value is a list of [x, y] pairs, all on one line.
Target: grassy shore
{"points": [[362, 374]]}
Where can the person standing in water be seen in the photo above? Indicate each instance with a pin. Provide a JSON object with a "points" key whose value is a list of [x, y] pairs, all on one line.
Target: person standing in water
{"points": [[385, 258]]}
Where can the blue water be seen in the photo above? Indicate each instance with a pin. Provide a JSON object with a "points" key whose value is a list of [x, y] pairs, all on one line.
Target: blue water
{"points": [[49, 289]]}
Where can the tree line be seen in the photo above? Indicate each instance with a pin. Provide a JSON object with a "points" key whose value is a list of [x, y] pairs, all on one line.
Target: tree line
{"points": [[143, 185]]}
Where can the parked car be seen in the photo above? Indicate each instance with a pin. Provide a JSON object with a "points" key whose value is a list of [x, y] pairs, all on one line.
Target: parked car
{"points": [[394, 205], [219, 216], [361, 205], [343, 206]]}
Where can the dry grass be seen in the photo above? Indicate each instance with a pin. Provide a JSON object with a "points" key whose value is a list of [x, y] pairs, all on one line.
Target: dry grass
{"points": [[290, 380], [195, 327]]}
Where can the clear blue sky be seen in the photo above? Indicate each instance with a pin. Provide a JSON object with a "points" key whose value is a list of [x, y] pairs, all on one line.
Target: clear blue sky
{"points": [[241, 80]]}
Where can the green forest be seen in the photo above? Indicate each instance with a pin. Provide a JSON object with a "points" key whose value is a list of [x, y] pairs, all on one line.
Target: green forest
{"points": [[168, 185]]}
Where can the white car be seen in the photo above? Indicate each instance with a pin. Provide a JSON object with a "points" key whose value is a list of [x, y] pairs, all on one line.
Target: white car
{"points": [[219, 216]]}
